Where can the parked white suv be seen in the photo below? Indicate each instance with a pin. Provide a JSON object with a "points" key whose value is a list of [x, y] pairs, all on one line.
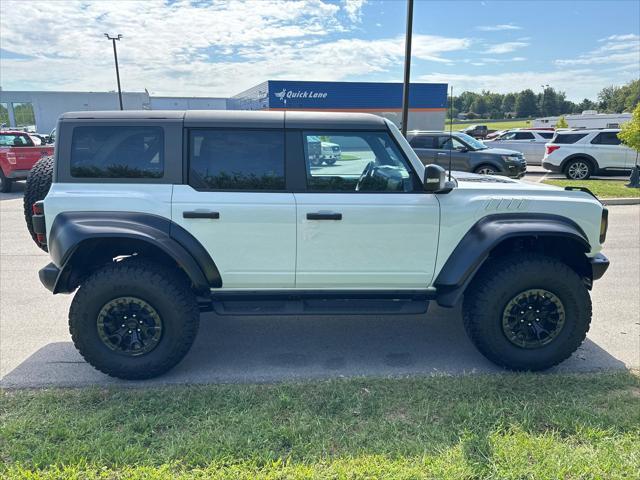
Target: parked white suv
{"points": [[581, 153], [155, 216], [529, 142]]}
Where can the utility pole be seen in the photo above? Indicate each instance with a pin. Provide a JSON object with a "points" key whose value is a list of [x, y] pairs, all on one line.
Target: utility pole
{"points": [[115, 57], [407, 68]]}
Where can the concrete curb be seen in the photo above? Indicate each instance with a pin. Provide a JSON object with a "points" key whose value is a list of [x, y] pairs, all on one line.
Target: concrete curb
{"points": [[621, 201]]}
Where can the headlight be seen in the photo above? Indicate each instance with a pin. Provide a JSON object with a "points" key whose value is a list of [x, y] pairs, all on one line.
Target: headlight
{"points": [[512, 158], [604, 225]]}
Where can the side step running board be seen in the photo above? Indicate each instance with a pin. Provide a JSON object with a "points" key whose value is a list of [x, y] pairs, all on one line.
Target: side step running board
{"points": [[401, 302]]}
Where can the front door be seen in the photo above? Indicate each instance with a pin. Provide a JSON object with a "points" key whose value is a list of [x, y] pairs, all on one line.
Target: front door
{"points": [[236, 205], [364, 222]]}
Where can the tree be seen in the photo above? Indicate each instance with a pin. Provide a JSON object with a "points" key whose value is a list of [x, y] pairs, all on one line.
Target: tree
{"points": [[562, 123], [479, 106], [509, 103], [549, 103], [586, 104], [630, 131], [526, 104]]}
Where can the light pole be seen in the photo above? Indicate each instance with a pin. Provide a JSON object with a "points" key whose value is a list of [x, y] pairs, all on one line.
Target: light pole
{"points": [[544, 93], [115, 57], [407, 68]]}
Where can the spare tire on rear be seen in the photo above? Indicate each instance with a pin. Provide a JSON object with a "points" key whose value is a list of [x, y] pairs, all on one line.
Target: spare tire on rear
{"points": [[38, 185]]}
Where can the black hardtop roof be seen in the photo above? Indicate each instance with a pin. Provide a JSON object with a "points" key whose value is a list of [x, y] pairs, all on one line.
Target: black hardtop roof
{"points": [[242, 118]]}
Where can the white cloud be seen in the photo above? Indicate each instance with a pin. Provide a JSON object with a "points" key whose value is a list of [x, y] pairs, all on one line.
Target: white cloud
{"points": [[183, 49], [506, 47], [498, 28], [354, 9], [578, 83], [618, 49]]}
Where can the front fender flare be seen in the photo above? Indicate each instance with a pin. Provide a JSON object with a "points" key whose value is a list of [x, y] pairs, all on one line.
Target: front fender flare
{"points": [[474, 248], [71, 229]]}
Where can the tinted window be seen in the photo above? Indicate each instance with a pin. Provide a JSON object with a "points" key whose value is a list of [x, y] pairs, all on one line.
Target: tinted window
{"points": [[524, 136], [567, 138], [356, 162], [117, 152], [423, 141], [237, 159], [607, 138], [546, 134], [444, 143], [15, 140]]}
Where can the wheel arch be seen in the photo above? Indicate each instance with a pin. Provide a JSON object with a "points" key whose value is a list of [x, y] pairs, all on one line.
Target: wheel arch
{"points": [[501, 234], [574, 156], [79, 242]]}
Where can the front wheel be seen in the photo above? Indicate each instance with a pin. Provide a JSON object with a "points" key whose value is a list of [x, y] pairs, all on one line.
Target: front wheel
{"points": [[485, 170], [134, 319], [578, 169], [527, 314]]}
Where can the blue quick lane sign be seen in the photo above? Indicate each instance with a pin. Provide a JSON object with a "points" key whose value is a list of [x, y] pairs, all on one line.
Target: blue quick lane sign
{"points": [[354, 95]]}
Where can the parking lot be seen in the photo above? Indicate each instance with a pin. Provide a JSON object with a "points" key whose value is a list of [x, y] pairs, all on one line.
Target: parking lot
{"points": [[36, 348]]}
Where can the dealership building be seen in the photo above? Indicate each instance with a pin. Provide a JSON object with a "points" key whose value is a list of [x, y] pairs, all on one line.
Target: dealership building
{"points": [[427, 102]]}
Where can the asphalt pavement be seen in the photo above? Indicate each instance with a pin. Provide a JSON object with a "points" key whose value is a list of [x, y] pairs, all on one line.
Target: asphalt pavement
{"points": [[36, 348]]}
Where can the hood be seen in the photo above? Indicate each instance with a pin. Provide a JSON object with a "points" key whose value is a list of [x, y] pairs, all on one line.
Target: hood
{"points": [[498, 182], [499, 151]]}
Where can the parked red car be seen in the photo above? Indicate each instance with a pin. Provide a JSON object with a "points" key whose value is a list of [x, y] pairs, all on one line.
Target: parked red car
{"points": [[19, 151]]}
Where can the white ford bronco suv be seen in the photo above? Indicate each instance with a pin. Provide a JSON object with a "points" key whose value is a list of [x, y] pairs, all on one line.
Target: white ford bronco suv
{"points": [[153, 217]]}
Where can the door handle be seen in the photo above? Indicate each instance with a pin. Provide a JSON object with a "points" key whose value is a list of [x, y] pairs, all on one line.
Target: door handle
{"points": [[324, 216], [442, 154], [201, 214]]}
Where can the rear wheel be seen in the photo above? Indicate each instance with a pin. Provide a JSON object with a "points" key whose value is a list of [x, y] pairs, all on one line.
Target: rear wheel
{"points": [[5, 183], [38, 185], [578, 169], [134, 319], [485, 170], [527, 314]]}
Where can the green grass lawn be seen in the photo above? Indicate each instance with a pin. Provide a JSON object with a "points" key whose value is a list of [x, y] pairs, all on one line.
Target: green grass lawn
{"points": [[519, 426], [601, 188], [501, 125]]}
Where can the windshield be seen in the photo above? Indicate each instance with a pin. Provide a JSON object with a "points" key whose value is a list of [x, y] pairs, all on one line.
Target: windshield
{"points": [[472, 142]]}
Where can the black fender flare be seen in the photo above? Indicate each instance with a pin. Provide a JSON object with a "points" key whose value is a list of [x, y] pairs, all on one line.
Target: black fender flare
{"points": [[71, 229], [474, 248], [564, 163]]}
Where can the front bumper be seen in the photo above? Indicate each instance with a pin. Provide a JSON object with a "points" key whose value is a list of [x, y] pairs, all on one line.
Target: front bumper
{"points": [[599, 265], [516, 170]]}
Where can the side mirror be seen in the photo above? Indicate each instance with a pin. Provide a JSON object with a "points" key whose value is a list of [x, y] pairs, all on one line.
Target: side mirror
{"points": [[435, 178]]}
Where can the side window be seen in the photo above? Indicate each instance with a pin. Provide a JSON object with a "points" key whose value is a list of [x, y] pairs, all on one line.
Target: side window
{"points": [[546, 135], [444, 143], [15, 140], [422, 141], [607, 138], [524, 136], [117, 152], [508, 136], [236, 159], [355, 162]]}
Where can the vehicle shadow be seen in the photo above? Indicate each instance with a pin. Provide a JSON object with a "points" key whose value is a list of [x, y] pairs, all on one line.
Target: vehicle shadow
{"points": [[233, 349], [17, 191]]}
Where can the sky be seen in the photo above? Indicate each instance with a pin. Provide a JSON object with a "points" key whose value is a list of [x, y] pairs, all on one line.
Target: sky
{"points": [[219, 48]]}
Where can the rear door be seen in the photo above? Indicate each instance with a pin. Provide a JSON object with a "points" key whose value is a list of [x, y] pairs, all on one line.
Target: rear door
{"points": [[365, 222], [450, 148], [425, 147], [608, 150], [538, 147], [236, 203], [518, 141]]}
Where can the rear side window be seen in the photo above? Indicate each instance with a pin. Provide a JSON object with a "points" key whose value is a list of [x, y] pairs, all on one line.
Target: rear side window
{"points": [[236, 159], [606, 138], [423, 142], [547, 135], [568, 138], [117, 152]]}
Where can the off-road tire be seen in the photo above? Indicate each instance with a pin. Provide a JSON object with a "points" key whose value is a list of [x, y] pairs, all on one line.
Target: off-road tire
{"points": [[331, 161], [37, 187], [500, 281], [5, 183], [165, 289], [571, 169]]}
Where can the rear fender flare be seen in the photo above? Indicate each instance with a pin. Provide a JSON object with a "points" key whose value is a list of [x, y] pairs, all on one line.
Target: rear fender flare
{"points": [[72, 231]]}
